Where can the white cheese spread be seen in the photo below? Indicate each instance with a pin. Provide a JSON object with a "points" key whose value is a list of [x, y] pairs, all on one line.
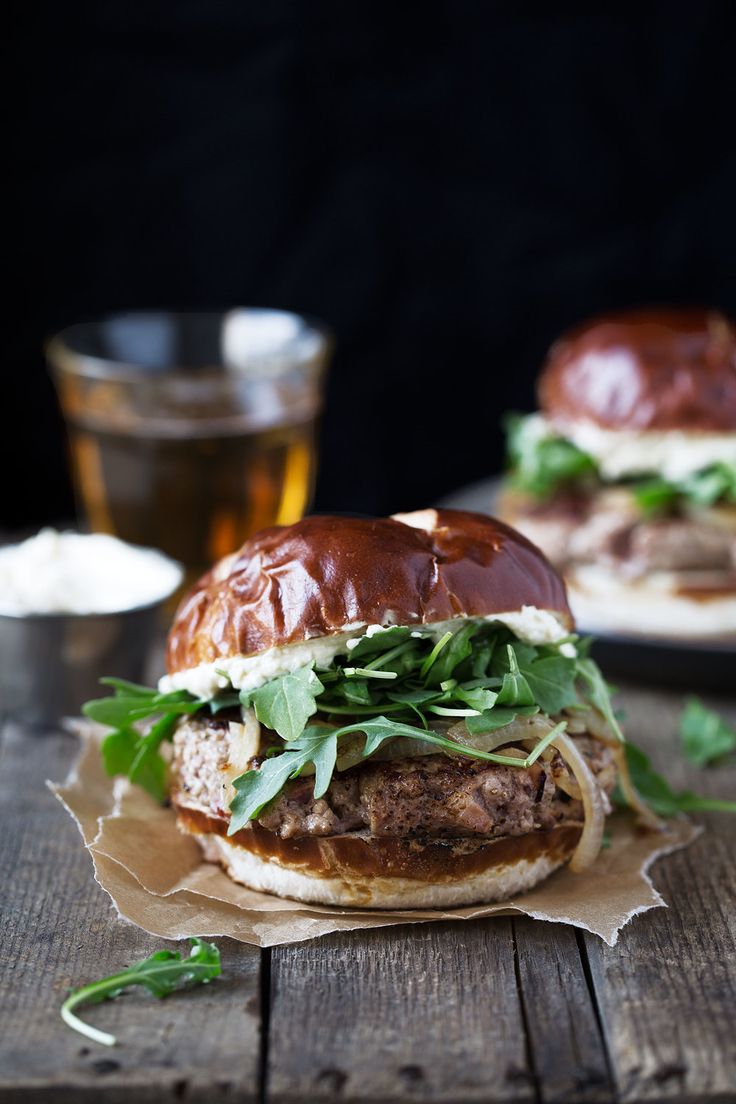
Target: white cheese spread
{"points": [[673, 454], [529, 624]]}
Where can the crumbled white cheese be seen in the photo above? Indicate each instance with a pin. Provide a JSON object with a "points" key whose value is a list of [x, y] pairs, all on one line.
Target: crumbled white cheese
{"points": [[82, 573], [673, 453], [529, 624]]}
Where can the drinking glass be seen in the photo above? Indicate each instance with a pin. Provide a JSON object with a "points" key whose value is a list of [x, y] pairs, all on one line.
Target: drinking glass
{"points": [[189, 432]]}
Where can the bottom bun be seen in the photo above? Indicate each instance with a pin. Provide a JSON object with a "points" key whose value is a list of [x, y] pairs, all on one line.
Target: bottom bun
{"points": [[655, 605], [365, 871]]}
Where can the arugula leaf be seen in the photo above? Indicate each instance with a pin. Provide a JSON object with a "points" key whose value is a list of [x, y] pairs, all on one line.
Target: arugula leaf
{"points": [[705, 736], [659, 795], [121, 711], [255, 788], [379, 642], [161, 973], [704, 488], [552, 683], [318, 745], [148, 769], [224, 701], [515, 690], [479, 671], [477, 698], [286, 703], [118, 750], [432, 657], [127, 751], [496, 718], [356, 690], [415, 697], [457, 649], [123, 752], [597, 693], [655, 495], [130, 688], [541, 463]]}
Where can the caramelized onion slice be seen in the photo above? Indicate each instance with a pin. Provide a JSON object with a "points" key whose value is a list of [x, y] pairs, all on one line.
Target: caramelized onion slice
{"points": [[591, 721], [594, 805], [532, 728]]}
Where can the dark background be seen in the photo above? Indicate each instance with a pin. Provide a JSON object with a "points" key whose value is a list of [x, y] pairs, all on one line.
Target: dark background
{"points": [[448, 185]]}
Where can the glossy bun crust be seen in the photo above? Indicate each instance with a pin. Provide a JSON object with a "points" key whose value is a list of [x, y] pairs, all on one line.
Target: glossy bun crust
{"points": [[327, 575], [645, 369]]}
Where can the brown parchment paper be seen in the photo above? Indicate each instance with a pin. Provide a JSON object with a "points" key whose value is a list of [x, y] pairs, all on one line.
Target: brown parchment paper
{"points": [[156, 878]]}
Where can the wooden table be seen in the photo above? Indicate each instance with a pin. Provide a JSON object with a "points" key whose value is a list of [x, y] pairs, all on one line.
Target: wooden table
{"points": [[505, 1010]]}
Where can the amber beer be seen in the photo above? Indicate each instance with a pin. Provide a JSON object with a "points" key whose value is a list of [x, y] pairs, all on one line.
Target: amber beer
{"points": [[190, 432], [196, 495]]}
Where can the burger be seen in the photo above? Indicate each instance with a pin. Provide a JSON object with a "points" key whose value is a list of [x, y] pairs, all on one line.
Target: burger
{"points": [[390, 712], [626, 477]]}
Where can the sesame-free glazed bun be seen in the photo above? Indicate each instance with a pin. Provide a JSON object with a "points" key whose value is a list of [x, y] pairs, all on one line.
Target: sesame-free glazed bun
{"points": [[326, 575], [654, 368]]}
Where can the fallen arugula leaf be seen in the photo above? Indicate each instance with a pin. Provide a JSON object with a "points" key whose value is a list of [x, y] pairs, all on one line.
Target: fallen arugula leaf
{"points": [[705, 736], [659, 795], [161, 974]]}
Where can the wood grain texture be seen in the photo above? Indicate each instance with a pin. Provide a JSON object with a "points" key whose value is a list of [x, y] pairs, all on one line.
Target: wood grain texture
{"points": [[667, 991], [498, 1010], [59, 930], [567, 1051], [428, 1012]]}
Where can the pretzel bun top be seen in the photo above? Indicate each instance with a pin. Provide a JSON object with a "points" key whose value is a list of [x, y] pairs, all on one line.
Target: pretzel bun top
{"points": [[327, 575]]}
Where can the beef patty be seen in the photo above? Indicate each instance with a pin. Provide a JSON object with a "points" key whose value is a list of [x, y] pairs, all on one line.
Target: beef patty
{"points": [[429, 795], [608, 527]]}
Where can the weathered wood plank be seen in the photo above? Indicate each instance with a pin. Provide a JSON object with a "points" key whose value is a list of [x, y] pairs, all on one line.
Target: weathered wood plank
{"points": [[427, 1012], [567, 1050], [59, 930], [667, 991]]}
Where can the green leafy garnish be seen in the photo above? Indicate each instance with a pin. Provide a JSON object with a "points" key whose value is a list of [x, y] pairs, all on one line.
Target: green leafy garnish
{"points": [[598, 693], [655, 496], [659, 795], [318, 745], [395, 682], [552, 682], [716, 483], [705, 736], [160, 974], [286, 703], [541, 463], [128, 751]]}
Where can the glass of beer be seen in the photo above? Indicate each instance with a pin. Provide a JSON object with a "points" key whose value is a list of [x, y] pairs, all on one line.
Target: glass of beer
{"points": [[190, 432]]}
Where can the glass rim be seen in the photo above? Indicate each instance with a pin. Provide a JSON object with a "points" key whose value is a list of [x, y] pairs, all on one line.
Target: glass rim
{"points": [[64, 357]]}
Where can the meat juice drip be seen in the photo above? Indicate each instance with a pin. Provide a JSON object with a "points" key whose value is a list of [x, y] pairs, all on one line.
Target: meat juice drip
{"points": [[194, 495]]}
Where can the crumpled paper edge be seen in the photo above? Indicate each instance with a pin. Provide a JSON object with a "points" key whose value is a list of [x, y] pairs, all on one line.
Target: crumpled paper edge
{"points": [[94, 801]]}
